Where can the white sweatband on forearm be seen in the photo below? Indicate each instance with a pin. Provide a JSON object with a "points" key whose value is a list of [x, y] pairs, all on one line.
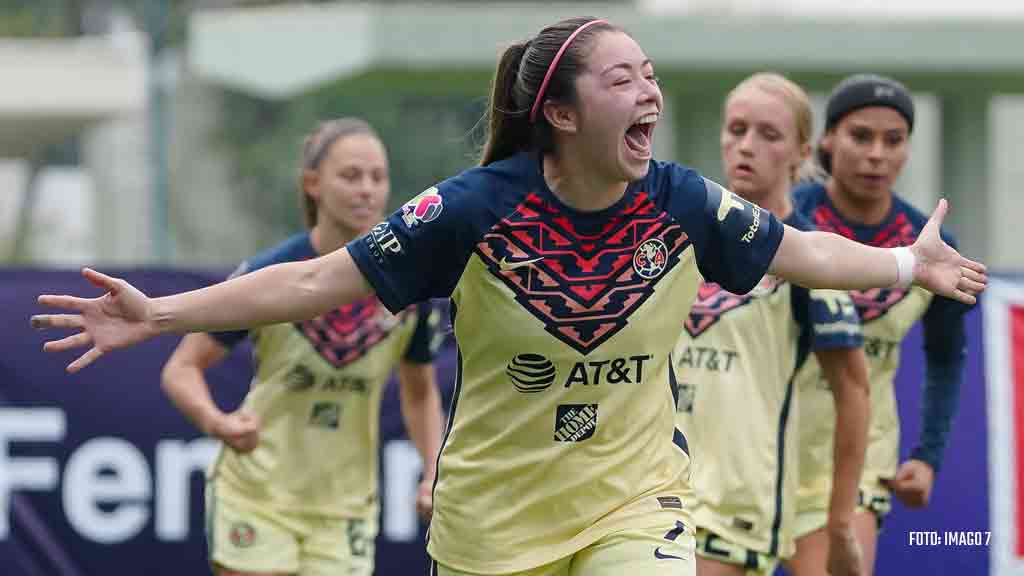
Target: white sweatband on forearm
{"points": [[905, 261]]}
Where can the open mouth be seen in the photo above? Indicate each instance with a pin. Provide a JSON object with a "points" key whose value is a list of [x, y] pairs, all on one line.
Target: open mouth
{"points": [[744, 169], [638, 136], [872, 179]]}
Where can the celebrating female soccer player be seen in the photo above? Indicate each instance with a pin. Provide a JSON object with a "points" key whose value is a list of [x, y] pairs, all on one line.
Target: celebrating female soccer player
{"points": [[738, 355], [294, 488], [571, 258], [867, 138]]}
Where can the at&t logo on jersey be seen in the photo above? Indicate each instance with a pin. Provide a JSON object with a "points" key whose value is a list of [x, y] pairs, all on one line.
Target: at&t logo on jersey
{"points": [[650, 258], [535, 373], [531, 372], [423, 208], [302, 379]]}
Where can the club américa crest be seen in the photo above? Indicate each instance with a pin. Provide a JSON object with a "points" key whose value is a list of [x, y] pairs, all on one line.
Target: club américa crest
{"points": [[242, 534], [650, 258]]}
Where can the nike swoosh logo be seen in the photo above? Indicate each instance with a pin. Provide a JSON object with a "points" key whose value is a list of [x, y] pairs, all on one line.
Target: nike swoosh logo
{"points": [[506, 265], [660, 556]]}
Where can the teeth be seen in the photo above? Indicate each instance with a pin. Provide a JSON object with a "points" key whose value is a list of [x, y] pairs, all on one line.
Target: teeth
{"points": [[648, 119]]}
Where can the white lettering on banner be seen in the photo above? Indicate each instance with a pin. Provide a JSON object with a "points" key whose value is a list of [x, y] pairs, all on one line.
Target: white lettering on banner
{"points": [[107, 482], [110, 492], [176, 461], [26, 425], [107, 471], [402, 469]]}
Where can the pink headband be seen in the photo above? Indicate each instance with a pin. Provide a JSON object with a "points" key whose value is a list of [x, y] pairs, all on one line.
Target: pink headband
{"points": [[554, 64]]}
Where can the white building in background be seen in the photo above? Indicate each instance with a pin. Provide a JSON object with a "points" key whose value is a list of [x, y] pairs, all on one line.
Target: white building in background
{"points": [[53, 89], [955, 56], [855, 9], [965, 61]]}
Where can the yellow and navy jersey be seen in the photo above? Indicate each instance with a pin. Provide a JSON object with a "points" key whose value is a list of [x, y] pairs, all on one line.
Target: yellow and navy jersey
{"points": [[317, 388], [736, 360], [562, 425], [887, 314]]}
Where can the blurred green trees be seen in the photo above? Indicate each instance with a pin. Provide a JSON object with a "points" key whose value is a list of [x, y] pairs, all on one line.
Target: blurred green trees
{"points": [[428, 137]]}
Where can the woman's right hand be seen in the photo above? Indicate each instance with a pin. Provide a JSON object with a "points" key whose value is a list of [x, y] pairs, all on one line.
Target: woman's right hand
{"points": [[239, 429], [118, 319]]}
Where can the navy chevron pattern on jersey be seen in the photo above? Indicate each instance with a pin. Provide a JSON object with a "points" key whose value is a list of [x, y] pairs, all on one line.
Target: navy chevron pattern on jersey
{"points": [[583, 287]]}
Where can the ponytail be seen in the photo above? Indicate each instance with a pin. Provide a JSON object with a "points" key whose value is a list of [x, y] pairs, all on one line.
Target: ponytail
{"points": [[529, 74], [509, 129]]}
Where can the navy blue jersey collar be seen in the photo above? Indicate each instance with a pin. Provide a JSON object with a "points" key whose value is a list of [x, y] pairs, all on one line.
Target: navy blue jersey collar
{"points": [[862, 231], [537, 171]]}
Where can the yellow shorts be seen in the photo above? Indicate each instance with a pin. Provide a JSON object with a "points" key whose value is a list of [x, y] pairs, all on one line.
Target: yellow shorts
{"points": [[876, 499], [662, 551], [714, 547], [242, 535]]}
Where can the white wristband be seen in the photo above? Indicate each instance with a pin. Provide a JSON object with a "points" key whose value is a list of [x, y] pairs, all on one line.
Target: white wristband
{"points": [[905, 262]]}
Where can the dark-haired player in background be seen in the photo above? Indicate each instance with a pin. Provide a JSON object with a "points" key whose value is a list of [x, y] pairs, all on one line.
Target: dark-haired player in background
{"points": [[865, 146]]}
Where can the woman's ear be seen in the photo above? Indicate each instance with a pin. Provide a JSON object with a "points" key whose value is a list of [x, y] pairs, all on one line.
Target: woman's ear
{"points": [[805, 151], [311, 184], [561, 116]]}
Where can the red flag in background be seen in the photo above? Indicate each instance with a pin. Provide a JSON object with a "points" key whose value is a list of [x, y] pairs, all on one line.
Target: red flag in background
{"points": [[1017, 358]]}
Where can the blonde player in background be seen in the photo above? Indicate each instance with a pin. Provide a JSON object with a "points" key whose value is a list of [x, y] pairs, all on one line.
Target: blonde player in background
{"points": [[294, 489], [869, 119], [738, 355], [571, 258]]}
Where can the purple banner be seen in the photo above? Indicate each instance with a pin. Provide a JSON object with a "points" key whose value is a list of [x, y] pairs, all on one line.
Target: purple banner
{"points": [[960, 496], [99, 474]]}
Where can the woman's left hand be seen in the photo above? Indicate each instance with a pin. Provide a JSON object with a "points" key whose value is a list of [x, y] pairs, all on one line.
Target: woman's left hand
{"points": [[941, 269]]}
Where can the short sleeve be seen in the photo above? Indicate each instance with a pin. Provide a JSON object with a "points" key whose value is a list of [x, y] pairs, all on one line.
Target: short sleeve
{"points": [[427, 336], [829, 317], [739, 240], [420, 251], [833, 320]]}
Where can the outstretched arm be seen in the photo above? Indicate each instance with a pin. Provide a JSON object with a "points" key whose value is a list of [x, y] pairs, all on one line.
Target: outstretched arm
{"points": [[124, 315], [288, 292], [823, 260]]}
